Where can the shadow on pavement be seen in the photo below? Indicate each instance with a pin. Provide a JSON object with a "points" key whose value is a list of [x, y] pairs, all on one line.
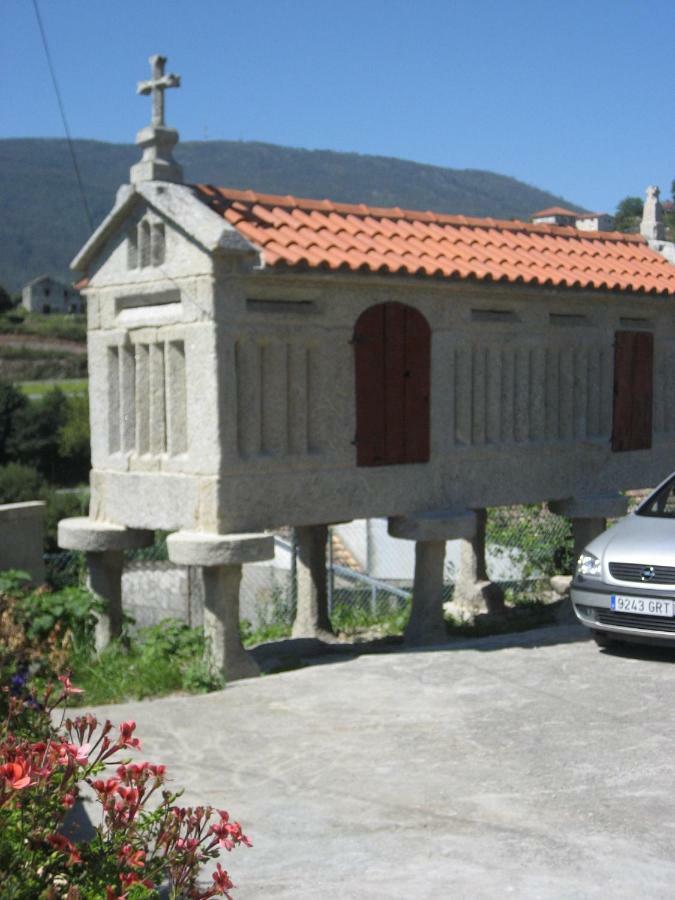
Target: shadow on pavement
{"points": [[298, 653]]}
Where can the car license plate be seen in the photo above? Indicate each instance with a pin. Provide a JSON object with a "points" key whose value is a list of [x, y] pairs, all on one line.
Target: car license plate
{"points": [[644, 606]]}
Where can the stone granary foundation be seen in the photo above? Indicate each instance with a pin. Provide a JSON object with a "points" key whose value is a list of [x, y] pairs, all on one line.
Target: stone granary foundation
{"points": [[261, 361]]}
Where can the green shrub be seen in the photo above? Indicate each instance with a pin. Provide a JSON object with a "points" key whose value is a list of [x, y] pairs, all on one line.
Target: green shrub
{"points": [[158, 660], [11, 402], [72, 610], [62, 505], [542, 541], [19, 484]]}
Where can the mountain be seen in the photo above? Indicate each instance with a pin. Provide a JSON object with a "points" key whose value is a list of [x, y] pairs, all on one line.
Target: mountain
{"points": [[43, 223]]}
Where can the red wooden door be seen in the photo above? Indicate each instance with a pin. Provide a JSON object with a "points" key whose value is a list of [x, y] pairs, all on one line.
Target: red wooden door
{"points": [[633, 390], [392, 344]]}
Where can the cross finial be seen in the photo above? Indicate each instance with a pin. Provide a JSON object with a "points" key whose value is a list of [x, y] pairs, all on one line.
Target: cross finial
{"points": [[159, 82]]}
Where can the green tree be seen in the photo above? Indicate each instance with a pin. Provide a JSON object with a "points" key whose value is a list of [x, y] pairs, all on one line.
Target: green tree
{"points": [[12, 402], [35, 438], [19, 484], [628, 214], [5, 300], [74, 443]]}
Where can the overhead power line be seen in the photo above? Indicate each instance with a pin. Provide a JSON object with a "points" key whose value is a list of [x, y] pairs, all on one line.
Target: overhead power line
{"points": [[87, 211]]}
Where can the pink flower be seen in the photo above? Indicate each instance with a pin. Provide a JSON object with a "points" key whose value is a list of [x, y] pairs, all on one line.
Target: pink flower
{"points": [[68, 688], [229, 834], [135, 859], [68, 800], [80, 754], [222, 879], [125, 738], [105, 788]]}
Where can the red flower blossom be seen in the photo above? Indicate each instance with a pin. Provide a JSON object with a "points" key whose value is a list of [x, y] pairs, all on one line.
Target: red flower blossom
{"points": [[68, 800], [222, 879], [17, 774], [125, 738], [135, 859], [129, 878], [68, 687], [229, 834], [106, 788], [59, 842]]}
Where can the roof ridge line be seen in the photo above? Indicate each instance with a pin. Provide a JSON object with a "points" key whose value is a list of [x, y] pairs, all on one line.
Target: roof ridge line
{"points": [[289, 201]]}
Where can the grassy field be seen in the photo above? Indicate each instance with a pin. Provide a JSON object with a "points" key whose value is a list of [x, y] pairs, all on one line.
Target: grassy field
{"points": [[62, 327], [70, 386]]}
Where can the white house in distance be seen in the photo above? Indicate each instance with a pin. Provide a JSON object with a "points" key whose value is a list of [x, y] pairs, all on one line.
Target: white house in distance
{"points": [[558, 215], [261, 361], [45, 294]]}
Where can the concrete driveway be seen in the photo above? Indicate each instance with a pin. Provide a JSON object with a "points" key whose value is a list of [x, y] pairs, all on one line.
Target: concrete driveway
{"points": [[529, 765]]}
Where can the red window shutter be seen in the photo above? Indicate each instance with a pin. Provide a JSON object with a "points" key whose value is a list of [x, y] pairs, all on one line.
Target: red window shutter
{"points": [[370, 409], [392, 344], [633, 390]]}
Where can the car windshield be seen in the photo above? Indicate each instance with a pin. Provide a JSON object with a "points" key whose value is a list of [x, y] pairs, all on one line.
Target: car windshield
{"points": [[661, 504]]}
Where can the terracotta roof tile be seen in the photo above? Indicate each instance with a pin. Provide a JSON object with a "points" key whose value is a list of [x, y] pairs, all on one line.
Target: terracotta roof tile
{"points": [[555, 211], [319, 234]]}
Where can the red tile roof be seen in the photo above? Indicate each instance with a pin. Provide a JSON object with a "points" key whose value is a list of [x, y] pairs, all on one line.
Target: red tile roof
{"points": [[319, 234], [554, 211]]}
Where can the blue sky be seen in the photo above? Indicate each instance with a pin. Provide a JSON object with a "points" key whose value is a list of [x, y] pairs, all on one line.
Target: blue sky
{"points": [[574, 96]]}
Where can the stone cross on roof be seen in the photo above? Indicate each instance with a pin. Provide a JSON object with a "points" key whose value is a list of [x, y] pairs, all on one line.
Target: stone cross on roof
{"points": [[158, 83], [652, 226]]}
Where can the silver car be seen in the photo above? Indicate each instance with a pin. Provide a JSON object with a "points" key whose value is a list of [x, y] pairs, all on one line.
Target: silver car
{"points": [[624, 586]]}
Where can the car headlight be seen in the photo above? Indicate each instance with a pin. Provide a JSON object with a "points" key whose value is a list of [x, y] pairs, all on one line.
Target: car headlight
{"points": [[589, 565]]}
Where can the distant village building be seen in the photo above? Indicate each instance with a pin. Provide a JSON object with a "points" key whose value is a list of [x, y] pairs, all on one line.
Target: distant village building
{"points": [[594, 222], [45, 294], [558, 215], [554, 215]]}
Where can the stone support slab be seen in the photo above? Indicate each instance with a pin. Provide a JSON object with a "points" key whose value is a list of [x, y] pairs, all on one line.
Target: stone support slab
{"points": [[474, 593], [93, 536], [195, 548], [216, 561], [426, 624], [104, 544], [606, 506], [439, 525], [311, 618]]}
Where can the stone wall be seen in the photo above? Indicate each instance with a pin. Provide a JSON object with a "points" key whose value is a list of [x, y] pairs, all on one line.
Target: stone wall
{"points": [[154, 590], [22, 538]]}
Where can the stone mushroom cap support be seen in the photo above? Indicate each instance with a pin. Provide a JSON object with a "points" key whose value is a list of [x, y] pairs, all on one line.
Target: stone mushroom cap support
{"points": [[430, 531], [218, 560], [104, 544]]}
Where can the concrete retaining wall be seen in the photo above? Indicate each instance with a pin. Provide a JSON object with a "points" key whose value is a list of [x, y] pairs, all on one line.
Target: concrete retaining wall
{"points": [[22, 527]]}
